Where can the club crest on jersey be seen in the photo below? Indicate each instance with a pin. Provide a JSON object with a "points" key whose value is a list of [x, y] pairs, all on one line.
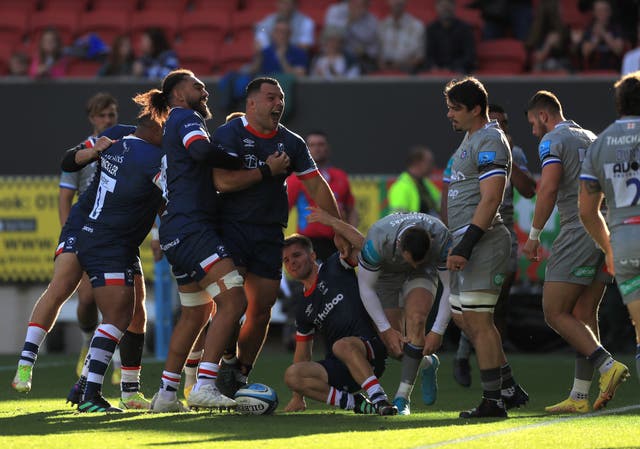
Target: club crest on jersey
{"points": [[248, 143], [71, 241], [250, 161], [280, 147], [464, 154]]}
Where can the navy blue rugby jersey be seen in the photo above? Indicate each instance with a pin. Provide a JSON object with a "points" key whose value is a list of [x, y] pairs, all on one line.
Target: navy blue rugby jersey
{"points": [[333, 306], [126, 193], [264, 202]]}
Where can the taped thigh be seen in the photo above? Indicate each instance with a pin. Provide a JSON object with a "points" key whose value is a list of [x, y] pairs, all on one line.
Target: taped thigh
{"points": [[476, 301], [194, 299], [227, 282]]}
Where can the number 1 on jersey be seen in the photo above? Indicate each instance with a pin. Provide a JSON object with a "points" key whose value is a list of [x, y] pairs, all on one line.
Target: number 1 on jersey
{"points": [[107, 184]]}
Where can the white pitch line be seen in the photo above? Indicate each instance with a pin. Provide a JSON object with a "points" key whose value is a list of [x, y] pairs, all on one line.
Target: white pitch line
{"points": [[57, 364], [529, 426]]}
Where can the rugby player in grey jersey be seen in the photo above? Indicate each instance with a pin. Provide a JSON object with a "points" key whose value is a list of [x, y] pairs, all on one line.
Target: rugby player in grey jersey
{"points": [[611, 171], [574, 279], [479, 258]]}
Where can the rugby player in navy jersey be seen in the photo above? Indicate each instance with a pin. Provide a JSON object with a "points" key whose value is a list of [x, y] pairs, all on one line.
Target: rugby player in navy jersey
{"points": [[254, 214], [66, 276], [332, 307], [188, 237]]}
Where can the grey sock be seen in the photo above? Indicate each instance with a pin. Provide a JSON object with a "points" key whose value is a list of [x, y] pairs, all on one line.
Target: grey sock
{"points": [[490, 379], [410, 363], [464, 347], [584, 369]]}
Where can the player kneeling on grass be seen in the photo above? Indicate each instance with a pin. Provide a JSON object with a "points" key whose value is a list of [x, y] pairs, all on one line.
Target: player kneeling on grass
{"points": [[355, 355]]}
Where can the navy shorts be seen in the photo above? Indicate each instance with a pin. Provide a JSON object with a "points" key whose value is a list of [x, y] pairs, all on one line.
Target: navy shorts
{"points": [[339, 375], [258, 248], [68, 241], [191, 256]]}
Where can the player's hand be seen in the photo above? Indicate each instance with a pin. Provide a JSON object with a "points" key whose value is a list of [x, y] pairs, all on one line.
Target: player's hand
{"points": [[344, 246], [432, 343], [531, 249], [455, 263], [102, 144], [394, 341], [156, 250], [278, 163], [296, 404], [317, 215], [609, 262]]}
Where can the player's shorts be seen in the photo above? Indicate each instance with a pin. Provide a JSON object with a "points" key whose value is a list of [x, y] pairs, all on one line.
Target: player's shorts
{"points": [[626, 258], [487, 268], [339, 375], [513, 258], [393, 288], [68, 240], [575, 259], [258, 248], [192, 255]]}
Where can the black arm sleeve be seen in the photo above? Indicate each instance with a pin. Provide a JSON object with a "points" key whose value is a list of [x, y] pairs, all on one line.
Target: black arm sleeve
{"points": [[203, 151], [68, 163]]}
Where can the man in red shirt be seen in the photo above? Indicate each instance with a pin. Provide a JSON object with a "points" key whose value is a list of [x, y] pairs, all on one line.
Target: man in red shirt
{"points": [[321, 235]]}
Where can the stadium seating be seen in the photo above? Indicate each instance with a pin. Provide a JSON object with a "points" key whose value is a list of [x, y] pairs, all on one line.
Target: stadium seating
{"points": [[115, 5], [142, 20], [107, 26], [13, 26], [220, 5], [206, 25], [80, 68], [199, 57], [501, 57], [243, 22], [64, 20], [572, 16], [177, 6], [234, 54], [57, 5]]}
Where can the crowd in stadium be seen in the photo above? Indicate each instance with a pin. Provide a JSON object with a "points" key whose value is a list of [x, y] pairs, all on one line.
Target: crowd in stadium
{"points": [[320, 38]]}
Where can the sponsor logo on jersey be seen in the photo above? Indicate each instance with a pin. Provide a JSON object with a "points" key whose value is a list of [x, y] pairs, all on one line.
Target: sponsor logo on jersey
{"points": [[87, 229], [498, 279], [629, 286], [635, 263], [309, 310], [544, 149], [322, 287], [623, 140], [624, 167], [250, 161], [486, 157], [248, 143], [457, 175], [328, 307], [584, 272], [169, 245]]}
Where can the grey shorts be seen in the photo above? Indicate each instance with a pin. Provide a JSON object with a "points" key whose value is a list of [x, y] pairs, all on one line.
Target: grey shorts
{"points": [[626, 258], [575, 259], [513, 258], [392, 288], [488, 266]]}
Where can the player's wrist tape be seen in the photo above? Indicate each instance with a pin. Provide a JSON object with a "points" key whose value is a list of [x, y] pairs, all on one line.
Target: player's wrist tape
{"points": [[265, 171], [534, 233], [472, 235]]}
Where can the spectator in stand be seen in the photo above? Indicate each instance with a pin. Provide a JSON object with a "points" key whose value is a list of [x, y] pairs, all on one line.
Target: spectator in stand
{"points": [[302, 27], [157, 59], [401, 39], [602, 44], [280, 56], [321, 235], [631, 60], [450, 43], [49, 61], [360, 28], [18, 64], [120, 59], [333, 62], [550, 39], [413, 191], [504, 18]]}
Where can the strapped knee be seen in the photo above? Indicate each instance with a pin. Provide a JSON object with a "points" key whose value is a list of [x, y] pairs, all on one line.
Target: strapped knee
{"points": [[227, 282], [194, 299]]}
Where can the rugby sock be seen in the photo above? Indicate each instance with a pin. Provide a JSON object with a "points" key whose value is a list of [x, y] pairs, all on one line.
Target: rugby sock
{"points": [[32, 342], [490, 379], [508, 383], [638, 361], [410, 365], [116, 360], [131, 347], [104, 343], [374, 390], [582, 378], [207, 373], [341, 399], [601, 359], [191, 367], [169, 386], [464, 347]]}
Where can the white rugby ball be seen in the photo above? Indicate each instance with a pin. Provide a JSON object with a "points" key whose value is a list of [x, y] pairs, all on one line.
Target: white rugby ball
{"points": [[256, 399]]}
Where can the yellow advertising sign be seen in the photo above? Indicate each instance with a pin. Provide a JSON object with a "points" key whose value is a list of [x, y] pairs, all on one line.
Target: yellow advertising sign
{"points": [[29, 229]]}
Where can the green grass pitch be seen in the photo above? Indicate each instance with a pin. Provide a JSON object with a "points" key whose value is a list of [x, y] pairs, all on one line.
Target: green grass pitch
{"points": [[41, 419]]}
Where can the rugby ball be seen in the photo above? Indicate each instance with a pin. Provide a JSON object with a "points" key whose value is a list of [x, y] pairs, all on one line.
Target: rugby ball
{"points": [[256, 399]]}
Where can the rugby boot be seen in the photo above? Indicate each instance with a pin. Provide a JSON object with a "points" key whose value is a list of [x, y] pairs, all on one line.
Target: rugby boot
{"points": [[569, 405], [430, 381], [518, 398], [609, 383], [487, 409]]}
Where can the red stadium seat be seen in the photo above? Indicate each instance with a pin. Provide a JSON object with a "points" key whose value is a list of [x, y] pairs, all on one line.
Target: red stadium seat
{"points": [[243, 23], [572, 16], [167, 20], [207, 25], [106, 25], [501, 57], [13, 26], [197, 58], [116, 5], [80, 68], [178, 6], [423, 11], [75, 5], [27, 6], [233, 55], [65, 21], [473, 18], [220, 5]]}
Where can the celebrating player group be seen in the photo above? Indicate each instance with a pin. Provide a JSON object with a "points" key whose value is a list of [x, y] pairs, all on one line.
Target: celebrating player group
{"points": [[222, 204]]}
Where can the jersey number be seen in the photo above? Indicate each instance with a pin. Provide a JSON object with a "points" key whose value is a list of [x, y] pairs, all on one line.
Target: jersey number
{"points": [[636, 183], [107, 184]]}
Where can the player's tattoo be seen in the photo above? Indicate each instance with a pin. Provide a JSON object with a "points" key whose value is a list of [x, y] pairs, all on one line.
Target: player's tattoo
{"points": [[592, 186]]}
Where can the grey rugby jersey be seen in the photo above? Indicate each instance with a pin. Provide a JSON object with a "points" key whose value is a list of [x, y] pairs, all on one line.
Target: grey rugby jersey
{"points": [[566, 144], [483, 154], [613, 161]]}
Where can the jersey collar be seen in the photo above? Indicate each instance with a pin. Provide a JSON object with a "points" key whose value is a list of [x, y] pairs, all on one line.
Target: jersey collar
{"points": [[255, 132]]}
